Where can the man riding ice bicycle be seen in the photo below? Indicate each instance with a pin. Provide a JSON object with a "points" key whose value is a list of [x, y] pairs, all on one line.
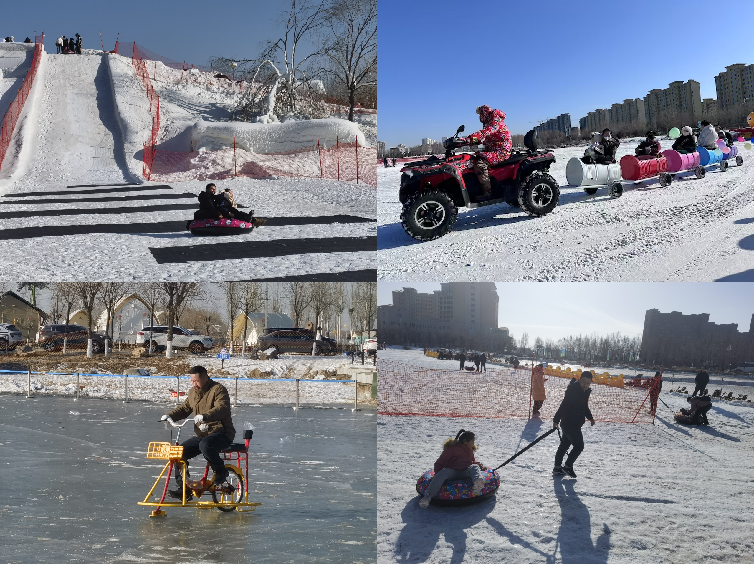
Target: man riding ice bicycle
{"points": [[209, 401]]}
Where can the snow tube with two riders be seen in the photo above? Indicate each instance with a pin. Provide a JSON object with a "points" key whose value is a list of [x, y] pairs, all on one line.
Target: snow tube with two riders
{"points": [[459, 492], [226, 226]]}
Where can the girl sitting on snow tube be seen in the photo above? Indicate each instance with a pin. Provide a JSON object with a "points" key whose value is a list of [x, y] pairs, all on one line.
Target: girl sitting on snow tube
{"points": [[456, 462]]}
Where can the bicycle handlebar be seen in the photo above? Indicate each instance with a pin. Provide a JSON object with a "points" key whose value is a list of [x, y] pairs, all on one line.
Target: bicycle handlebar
{"points": [[172, 423]]}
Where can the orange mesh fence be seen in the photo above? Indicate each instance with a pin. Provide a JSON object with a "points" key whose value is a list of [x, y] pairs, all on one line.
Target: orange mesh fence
{"points": [[405, 390], [16, 107], [342, 161]]}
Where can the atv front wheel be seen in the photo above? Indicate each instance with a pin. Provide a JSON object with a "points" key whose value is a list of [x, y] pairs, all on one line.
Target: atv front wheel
{"points": [[539, 195], [429, 215]]}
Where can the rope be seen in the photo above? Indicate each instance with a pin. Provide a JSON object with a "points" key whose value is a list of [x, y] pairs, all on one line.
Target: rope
{"points": [[540, 438]]}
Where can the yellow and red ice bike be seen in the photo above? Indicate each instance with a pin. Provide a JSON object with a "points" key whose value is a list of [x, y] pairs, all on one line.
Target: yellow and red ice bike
{"points": [[231, 495]]}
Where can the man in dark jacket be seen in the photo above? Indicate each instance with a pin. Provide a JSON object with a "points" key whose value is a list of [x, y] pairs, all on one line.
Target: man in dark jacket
{"points": [[209, 401], [609, 147], [208, 209], [483, 362], [701, 380], [573, 412], [649, 147], [462, 358]]}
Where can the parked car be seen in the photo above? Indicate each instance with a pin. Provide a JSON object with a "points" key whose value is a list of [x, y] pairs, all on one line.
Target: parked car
{"points": [[10, 336], [296, 340], [182, 339], [77, 339], [49, 331]]}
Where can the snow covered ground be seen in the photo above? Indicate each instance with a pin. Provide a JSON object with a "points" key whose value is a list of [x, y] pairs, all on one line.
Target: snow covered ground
{"points": [[693, 230], [644, 493], [77, 185]]}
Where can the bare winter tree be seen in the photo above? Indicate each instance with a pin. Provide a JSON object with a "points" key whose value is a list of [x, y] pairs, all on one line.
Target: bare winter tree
{"points": [[151, 296], [66, 293], [32, 287], [364, 305], [278, 81], [320, 301], [352, 46], [232, 303], [250, 301], [88, 295], [300, 299], [112, 293], [175, 295]]}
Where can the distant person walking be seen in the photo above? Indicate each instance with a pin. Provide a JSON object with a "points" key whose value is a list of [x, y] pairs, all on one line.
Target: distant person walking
{"points": [[477, 361], [462, 358], [59, 44], [571, 415], [538, 389], [483, 361], [701, 380]]}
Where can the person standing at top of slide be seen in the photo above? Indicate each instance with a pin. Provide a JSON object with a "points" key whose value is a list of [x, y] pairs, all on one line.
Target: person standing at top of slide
{"points": [[701, 381], [497, 144]]}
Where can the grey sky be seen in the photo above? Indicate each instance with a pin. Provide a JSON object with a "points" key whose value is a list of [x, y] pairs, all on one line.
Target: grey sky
{"points": [[555, 310]]}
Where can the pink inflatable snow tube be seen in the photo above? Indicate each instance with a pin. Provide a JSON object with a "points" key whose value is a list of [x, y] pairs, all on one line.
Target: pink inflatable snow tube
{"points": [[679, 161], [632, 168]]}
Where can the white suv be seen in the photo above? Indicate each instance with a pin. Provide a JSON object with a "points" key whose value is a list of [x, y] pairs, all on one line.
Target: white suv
{"points": [[182, 338], [10, 336]]}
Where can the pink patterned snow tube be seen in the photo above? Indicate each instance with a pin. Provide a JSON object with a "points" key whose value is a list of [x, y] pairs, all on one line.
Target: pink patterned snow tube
{"points": [[634, 169]]}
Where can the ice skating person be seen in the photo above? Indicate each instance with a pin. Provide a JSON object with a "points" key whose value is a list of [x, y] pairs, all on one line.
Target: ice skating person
{"points": [[609, 147], [708, 136], [482, 362], [497, 144], [571, 415], [701, 380], [209, 401], [654, 392], [59, 44], [650, 147], [686, 142], [456, 462], [538, 389], [462, 358]]}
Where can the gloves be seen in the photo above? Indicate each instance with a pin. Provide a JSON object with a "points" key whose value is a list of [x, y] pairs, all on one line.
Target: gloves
{"points": [[205, 427], [163, 417], [198, 419]]}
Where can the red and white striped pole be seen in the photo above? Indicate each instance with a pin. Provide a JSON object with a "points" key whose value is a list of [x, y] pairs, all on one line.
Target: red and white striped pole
{"points": [[337, 151], [235, 166]]}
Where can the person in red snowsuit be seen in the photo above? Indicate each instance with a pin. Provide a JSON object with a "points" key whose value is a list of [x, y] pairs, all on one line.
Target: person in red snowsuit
{"points": [[497, 144]]}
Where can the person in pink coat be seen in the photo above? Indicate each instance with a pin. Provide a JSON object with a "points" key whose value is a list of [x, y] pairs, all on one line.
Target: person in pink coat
{"points": [[497, 144], [456, 462]]}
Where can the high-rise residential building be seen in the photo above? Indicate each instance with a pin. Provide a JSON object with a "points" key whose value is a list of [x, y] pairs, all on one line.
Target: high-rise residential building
{"points": [[628, 114], [680, 101], [734, 86], [709, 108], [380, 148], [692, 340], [562, 124], [460, 314], [427, 141]]}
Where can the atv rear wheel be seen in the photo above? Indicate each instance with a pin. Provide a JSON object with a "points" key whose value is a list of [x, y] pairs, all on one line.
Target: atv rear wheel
{"points": [[429, 215], [539, 194]]}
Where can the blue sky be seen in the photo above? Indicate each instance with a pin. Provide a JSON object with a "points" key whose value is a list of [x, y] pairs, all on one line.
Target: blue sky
{"points": [[189, 30], [555, 310], [439, 59]]}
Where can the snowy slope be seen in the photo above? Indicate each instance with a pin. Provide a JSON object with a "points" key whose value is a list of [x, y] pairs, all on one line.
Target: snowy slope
{"points": [[693, 230], [83, 213], [644, 493]]}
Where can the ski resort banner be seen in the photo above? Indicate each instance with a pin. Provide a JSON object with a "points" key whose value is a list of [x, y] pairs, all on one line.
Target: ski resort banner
{"points": [[405, 390]]}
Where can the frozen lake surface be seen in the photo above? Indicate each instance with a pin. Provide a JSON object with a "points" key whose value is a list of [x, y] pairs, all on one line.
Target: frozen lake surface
{"points": [[79, 469]]}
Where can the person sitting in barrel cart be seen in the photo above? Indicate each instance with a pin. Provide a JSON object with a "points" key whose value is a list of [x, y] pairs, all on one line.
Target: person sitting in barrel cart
{"points": [[708, 136], [650, 147], [609, 147], [595, 150], [686, 142]]}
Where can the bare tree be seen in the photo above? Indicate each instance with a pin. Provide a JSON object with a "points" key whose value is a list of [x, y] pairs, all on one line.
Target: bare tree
{"points": [[112, 293], [175, 296], [250, 302], [320, 301], [300, 299], [32, 287], [352, 47], [364, 306], [232, 302], [66, 293], [88, 295], [151, 296]]}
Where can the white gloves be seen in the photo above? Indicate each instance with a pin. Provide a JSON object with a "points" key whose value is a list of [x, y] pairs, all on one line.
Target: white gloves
{"points": [[198, 419], [164, 417], [203, 427]]}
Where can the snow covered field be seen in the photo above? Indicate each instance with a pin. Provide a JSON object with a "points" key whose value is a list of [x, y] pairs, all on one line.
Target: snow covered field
{"points": [[693, 230], [76, 185], [644, 493]]}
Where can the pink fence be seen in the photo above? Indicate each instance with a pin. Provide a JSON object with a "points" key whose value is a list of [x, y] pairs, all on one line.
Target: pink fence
{"points": [[17, 106]]}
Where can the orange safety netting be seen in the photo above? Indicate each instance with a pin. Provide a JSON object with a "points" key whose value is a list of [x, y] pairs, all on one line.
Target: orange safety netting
{"points": [[405, 390], [16, 107], [342, 161]]}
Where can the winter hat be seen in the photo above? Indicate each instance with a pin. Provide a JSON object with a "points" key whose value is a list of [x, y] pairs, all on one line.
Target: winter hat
{"points": [[650, 134], [686, 130], [586, 374]]}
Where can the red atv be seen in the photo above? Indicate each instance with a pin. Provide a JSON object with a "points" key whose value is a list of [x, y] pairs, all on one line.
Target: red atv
{"points": [[432, 190]]}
